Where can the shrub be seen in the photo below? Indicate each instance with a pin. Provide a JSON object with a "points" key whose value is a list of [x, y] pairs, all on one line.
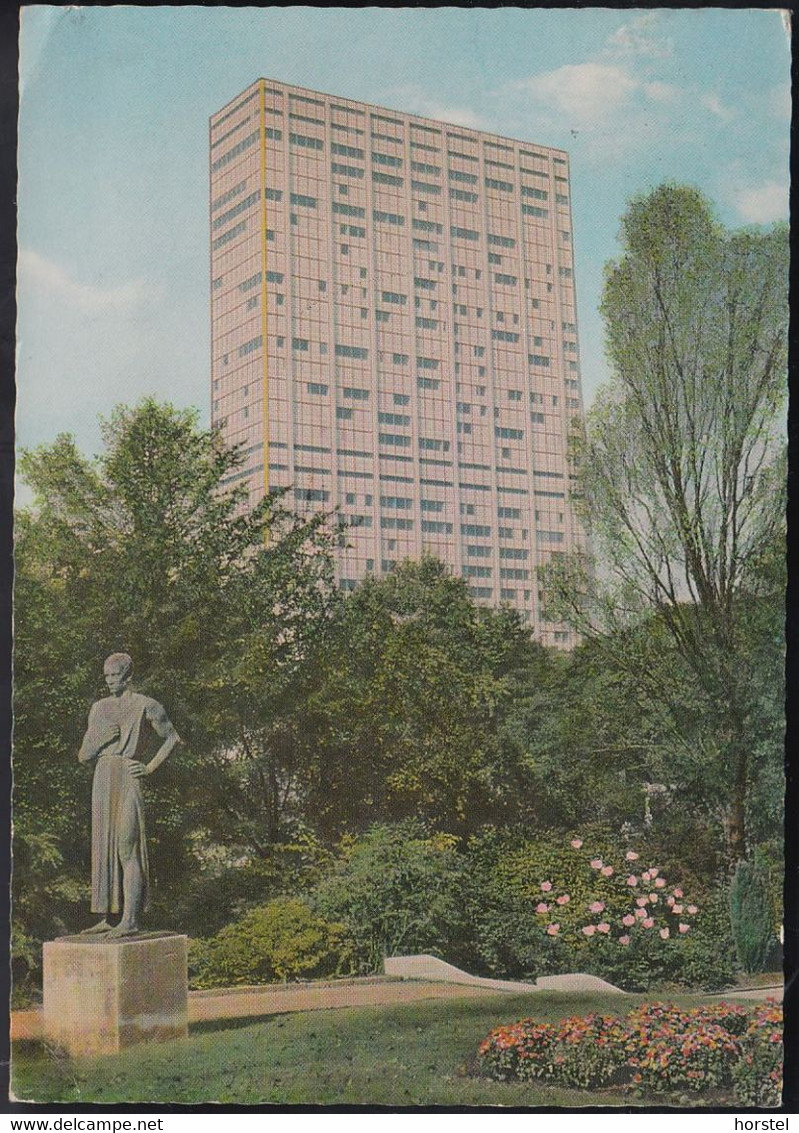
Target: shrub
{"points": [[397, 890], [751, 914], [757, 1076], [281, 940], [553, 905], [657, 1046]]}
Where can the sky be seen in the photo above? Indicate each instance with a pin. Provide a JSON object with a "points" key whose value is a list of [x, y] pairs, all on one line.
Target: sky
{"points": [[113, 284]]}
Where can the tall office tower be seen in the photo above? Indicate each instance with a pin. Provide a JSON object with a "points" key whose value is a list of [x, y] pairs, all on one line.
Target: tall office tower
{"points": [[394, 333]]}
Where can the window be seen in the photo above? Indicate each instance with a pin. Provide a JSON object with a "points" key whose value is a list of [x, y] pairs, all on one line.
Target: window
{"points": [[514, 395], [537, 360], [249, 347], [464, 233], [388, 217], [355, 394], [346, 170], [343, 414], [401, 359], [478, 551], [343, 351], [393, 419], [348, 210], [401, 399], [501, 186], [507, 434], [398, 502], [231, 234], [502, 241], [504, 336], [507, 280], [299, 344], [311, 494], [386, 159], [306, 202], [306, 142], [386, 179], [394, 297], [463, 195], [428, 383], [466, 178]]}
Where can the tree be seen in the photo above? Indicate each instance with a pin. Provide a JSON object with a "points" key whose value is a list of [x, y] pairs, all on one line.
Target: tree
{"points": [[406, 720], [681, 468], [150, 550]]}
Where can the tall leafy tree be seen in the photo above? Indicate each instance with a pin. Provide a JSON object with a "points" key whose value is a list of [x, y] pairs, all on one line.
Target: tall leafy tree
{"points": [[150, 549], [682, 468]]}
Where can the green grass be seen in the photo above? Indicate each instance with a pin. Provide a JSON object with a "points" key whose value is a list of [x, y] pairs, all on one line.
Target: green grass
{"points": [[414, 1054]]}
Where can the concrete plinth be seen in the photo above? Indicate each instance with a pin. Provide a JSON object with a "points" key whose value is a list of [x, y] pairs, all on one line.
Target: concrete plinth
{"points": [[103, 995]]}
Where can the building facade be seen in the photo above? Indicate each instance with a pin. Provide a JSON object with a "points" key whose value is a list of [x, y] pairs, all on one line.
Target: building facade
{"points": [[394, 333]]}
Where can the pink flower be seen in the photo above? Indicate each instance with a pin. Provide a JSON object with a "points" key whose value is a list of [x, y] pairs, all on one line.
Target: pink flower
{"points": [[631, 856], [596, 863], [685, 928], [664, 934], [541, 907], [676, 909], [649, 922], [553, 929], [641, 901], [564, 899], [692, 909], [653, 898], [659, 882], [546, 886], [596, 906], [607, 871], [646, 876], [628, 920], [632, 879], [669, 900], [604, 927], [640, 912], [678, 892], [588, 930], [576, 843], [625, 940], [652, 872]]}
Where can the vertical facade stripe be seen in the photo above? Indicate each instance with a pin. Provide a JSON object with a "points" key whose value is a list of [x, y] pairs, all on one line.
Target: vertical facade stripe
{"points": [[265, 347]]}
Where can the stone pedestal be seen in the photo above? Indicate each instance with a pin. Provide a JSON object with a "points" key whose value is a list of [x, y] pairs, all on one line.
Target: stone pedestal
{"points": [[103, 995]]}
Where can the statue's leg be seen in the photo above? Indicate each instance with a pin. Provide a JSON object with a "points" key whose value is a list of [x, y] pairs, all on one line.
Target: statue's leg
{"points": [[132, 873]]}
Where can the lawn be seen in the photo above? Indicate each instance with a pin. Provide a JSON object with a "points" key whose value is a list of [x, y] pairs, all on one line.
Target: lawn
{"points": [[411, 1055]]}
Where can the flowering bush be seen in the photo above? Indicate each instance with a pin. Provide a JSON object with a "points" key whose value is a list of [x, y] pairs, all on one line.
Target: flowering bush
{"points": [[580, 904], [657, 1047], [757, 1075]]}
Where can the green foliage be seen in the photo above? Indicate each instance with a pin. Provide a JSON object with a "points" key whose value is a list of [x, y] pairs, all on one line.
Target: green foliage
{"points": [[682, 476], [407, 718], [542, 906], [282, 940], [398, 891], [225, 887], [144, 550], [751, 914]]}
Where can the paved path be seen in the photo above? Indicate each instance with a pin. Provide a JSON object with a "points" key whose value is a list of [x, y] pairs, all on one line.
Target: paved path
{"points": [[370, 991]]}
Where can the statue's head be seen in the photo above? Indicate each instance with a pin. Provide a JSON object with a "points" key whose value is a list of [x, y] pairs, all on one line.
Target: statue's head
{"points": [[117, 669]]}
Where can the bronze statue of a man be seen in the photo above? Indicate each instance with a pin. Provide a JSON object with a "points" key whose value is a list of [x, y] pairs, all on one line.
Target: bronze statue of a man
{"points": [[115, 737]]}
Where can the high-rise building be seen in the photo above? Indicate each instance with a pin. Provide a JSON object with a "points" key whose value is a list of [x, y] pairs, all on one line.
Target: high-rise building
{"points": [[394, 333]]}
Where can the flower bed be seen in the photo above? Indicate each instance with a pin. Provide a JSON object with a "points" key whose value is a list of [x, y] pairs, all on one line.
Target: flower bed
{"points": [[656, 1047]]}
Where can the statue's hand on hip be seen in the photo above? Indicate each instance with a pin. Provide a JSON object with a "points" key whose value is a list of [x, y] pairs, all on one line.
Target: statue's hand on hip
{"points": [[136, 769]]}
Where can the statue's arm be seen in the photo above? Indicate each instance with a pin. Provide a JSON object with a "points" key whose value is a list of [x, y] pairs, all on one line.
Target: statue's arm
{"points": [[98, 737], [164, 728]]}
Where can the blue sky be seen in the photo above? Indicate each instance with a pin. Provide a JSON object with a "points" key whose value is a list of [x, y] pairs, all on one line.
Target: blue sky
{"points": [[113, 209]]}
